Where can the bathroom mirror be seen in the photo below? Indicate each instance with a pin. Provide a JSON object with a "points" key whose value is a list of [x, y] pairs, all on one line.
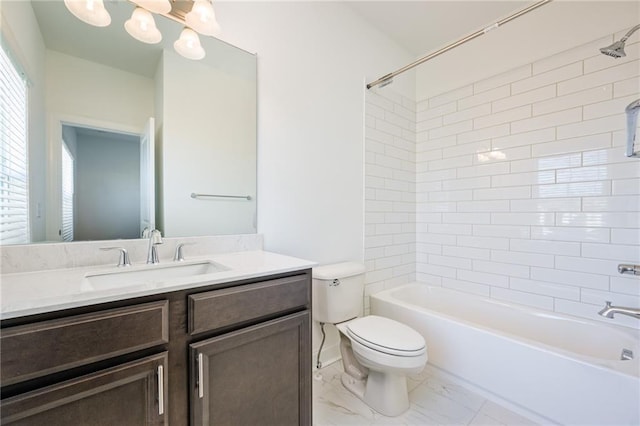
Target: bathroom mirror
{"points": [[96, 96]]}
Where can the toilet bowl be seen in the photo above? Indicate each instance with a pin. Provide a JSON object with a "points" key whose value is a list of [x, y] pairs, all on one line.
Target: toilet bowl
{"points": [[377, 353]]}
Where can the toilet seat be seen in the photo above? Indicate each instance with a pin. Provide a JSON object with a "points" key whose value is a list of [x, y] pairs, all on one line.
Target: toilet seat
{"points": [[386, 335]]}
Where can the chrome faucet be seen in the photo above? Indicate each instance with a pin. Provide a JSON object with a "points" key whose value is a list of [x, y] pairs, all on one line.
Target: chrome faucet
{"points": [[625, 268], [124, 256], [608, 311], [155, 238], [178, 255]]}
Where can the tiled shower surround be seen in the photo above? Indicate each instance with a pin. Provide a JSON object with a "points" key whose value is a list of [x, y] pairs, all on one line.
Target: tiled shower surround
{"points": [[522, 190], [390, 198]]}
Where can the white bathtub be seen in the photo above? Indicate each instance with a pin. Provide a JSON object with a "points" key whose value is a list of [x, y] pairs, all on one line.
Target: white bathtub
{"points": [[563, 369]]}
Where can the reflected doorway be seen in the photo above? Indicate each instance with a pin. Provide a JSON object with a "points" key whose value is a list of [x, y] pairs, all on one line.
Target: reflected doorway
{"points": [[101, 191]]}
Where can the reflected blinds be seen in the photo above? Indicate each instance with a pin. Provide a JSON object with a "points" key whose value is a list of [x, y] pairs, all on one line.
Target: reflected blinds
{"points": [[14, 212], [67, 194]]}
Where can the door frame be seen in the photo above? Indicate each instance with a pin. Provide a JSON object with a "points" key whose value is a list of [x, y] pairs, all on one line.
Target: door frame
{"points": [[53, 209]]}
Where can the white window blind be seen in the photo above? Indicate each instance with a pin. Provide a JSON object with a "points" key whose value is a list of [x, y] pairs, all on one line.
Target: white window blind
{"points": [[14, 184], [67, 194]]}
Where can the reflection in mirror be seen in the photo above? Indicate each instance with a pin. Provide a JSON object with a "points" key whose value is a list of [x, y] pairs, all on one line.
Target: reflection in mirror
{"points": [[102, 206], [85, 83]]}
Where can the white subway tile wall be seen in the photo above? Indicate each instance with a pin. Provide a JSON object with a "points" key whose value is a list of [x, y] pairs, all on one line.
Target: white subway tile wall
{"points": [[390, 189], [522, 189], [549, 224]]}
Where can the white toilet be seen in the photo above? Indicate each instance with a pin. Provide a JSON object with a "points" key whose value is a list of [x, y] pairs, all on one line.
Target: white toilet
{"points": [[377, 353]]}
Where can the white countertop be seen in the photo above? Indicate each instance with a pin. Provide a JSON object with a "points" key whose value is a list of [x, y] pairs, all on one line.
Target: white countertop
{"points": [[28, 293]]}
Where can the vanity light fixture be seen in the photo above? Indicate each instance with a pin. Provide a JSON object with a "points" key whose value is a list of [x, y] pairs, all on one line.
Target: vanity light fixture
{"points": [[141, 26], [202, 18], [188, 45], [156, 6], [90, 11]]}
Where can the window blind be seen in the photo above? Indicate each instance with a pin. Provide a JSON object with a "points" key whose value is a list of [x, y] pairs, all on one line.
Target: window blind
{"points": [[14, 183], [67, 194]]}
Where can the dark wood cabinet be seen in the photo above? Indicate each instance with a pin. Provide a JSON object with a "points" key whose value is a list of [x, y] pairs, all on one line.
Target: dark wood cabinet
{"points": [[128, 394], [254, 376], [212, 310], [80, 339], [245, 346]]}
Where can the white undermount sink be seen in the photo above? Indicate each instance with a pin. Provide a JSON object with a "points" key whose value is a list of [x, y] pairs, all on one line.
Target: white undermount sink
{"points": [[152, 273]]}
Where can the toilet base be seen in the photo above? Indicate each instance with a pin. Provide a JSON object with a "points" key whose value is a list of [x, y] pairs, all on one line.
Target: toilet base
{"points": [[386, 393]]}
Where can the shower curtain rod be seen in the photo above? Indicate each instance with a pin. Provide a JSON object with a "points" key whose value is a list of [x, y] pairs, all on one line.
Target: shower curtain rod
{"points": [[387, 79]]}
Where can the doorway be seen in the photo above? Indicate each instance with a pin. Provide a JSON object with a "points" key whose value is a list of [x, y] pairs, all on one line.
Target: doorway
{"points": [[104, 200]]}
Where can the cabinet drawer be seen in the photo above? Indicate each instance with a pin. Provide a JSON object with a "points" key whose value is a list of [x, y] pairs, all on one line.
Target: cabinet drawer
{"points": [[220, 308], [130, 394], [80, 339]]}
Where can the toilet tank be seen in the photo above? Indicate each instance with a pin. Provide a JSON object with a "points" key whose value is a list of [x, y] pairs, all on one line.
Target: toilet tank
{"points": [[338, 292]]}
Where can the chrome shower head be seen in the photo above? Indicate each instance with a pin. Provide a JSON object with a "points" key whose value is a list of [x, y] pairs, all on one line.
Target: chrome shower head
{"points": [[616, 50]]}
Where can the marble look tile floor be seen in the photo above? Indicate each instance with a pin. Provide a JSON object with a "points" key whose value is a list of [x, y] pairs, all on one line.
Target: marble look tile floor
{"points": [[434, 400]]}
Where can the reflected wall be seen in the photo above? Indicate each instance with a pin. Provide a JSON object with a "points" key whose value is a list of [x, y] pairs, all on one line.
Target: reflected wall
{"points": [[72, 81]]}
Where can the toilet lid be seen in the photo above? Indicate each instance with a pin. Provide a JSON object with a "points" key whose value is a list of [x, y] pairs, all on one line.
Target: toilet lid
{"points": [[386, 335]]}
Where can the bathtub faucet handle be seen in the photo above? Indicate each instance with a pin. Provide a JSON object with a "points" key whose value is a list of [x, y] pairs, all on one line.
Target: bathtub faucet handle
{"points": [[629, 269]]}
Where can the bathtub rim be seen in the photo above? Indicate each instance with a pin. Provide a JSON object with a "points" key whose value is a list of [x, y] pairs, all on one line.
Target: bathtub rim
{"points": [[619, 367]]}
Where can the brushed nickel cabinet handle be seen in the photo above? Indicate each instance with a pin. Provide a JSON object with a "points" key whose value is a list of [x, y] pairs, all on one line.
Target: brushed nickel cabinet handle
{"points": [[160, 390], [200, 376]]}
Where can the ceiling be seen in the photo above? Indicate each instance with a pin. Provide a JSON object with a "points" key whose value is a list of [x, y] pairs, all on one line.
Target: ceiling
{"points": [[418, 26], [421, 27], [112, 46]]}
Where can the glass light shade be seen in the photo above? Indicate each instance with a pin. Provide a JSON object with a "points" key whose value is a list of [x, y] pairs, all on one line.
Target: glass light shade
{"points": [[188, 45], [155, 6], [142, 27], [202, 18], [90, 11]]}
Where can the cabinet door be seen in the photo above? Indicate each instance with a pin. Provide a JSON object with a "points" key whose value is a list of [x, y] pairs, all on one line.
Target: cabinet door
{"points": [[259, 375], [129, 394]]}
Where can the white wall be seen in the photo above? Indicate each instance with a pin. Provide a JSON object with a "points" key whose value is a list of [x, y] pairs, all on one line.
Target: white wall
{"points": [[159, 116], [21, 34], [207, 146], [85, 89], [70, 139], [313, 61], [553, 28], [107, 187], [81, 92], [524, 193]]}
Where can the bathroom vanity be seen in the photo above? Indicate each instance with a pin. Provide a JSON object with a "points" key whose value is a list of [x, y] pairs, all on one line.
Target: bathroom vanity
{"points": [[229, 347]]}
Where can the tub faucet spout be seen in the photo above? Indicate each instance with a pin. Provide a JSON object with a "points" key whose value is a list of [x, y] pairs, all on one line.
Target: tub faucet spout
{"points": [[609, 311]]}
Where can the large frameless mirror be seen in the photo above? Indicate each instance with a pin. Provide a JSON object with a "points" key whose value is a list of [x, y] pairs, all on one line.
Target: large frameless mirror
{"points": [[123, 135]]}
